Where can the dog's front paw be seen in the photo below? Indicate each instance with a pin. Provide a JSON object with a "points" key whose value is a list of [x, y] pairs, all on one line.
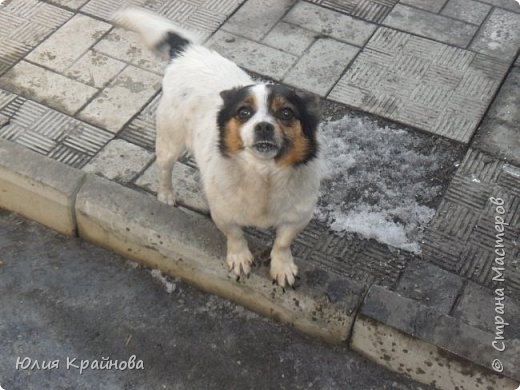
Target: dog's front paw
{"points": [[283, 269], [167, 197], [240, 261]]}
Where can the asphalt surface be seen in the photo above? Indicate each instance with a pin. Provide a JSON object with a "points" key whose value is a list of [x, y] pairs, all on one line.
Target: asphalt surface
{"points": [[63, 299]]}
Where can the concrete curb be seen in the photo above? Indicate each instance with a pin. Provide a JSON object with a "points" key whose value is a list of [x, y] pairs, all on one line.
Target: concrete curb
{"points": [[430, 346], [397, 332]]}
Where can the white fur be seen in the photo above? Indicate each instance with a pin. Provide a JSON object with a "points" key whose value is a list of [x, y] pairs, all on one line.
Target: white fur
{"points": [[242, 190]]}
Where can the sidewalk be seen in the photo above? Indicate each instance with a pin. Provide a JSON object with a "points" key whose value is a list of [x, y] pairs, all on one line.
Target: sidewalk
{"points": [[420, 102]]}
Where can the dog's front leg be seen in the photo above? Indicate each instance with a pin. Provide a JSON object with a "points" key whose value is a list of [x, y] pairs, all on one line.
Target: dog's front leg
{"points": [[239, 258], [283, 269]]}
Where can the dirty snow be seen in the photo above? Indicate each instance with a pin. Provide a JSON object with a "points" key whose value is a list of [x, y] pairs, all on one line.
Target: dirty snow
{"points": [[379, 181], [165, 281]]}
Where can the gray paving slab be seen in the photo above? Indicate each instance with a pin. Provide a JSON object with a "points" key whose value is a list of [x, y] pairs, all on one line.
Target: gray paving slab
{"points": [[499, 133], [252, 55], [428, 5], [429, 25], [290, 38], [127, 94], [141, 130], [371, 11], [68, 43], [462, 235], [430, 285], [47, 87], [321, 66], [204, 16], [469, 11], [509, 5], [49, 132], [475, 305], [71, 4], [23, 25], [437, 348], [499, 36], [422, 83], [126, 46], [120, 161], [256, 18], [330, 23], [95, 69]]}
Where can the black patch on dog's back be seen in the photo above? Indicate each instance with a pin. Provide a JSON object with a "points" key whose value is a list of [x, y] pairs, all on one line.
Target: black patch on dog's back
{"points": [[306, 110], [174, 43], [232, 98]]}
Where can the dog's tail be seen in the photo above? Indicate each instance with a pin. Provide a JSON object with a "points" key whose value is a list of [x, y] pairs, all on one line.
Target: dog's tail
{"points": [[157, 32]]}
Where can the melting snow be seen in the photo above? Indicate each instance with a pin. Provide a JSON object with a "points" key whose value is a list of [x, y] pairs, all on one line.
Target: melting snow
{"points": [[379, 181]]}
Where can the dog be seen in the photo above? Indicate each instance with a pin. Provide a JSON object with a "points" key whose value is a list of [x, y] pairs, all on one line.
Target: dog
{"points": [[255, 144]]}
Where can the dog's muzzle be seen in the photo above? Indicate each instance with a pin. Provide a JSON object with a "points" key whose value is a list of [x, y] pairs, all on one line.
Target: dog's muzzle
{"points": [[264, 138]]}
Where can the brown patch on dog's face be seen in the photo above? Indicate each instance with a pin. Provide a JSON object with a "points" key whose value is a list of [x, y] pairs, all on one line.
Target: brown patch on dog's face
{"points": [[297, 118], [239, 106]]}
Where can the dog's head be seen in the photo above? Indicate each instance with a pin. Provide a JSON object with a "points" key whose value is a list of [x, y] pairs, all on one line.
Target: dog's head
{"points": [[270, 122]]}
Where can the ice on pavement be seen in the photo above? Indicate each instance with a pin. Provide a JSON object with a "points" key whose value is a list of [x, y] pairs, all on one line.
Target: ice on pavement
{"points": [[380, 182]]}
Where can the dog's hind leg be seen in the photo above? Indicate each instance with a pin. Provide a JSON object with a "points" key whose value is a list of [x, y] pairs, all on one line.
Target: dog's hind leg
{"points": [[169, 146]]}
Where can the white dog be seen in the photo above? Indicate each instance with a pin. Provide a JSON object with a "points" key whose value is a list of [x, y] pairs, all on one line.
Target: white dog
{"points": [[255, 144]]}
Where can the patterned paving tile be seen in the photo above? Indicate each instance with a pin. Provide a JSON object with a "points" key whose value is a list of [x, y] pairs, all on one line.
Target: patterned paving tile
{"points": [[462, 235], [49, 132], [202, 15], [23, 25], [141, 130], [369, 10], [422, 83]]}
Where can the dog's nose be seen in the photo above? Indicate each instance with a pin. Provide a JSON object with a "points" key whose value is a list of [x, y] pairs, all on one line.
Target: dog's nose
{"points": [[264, 131]]}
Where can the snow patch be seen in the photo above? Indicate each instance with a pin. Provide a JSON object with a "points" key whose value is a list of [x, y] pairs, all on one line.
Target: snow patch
{"points": [[378, 181], [165, 281]]}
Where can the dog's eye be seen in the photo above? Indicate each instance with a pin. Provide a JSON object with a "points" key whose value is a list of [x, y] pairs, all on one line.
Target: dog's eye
{"points": [[285, 114], [244, 113]]}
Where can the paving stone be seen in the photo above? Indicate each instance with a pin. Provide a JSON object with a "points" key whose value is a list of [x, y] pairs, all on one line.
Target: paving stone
{"points": [[120, 161], [372, 11], [476, 306], [95, 69], [321, 66], [422, 83], [330, 23], [435, 348], [256, 18], [289, 38], [428, 5], [252, 55], [71, 4], [204, 16], [121, 99], [499, 134], [430, 285], [186, 182], [23, 25], [428, 25], [38, 188], [126, 46], [47, 87], [499, 36], [141, 130], [466, 10], [462, 235], [510, 5], [50, 132], [69, 43]]}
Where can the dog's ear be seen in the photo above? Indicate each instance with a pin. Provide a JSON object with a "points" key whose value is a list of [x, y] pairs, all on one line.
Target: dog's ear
{"points": [[311, 103], [229, 94]]}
